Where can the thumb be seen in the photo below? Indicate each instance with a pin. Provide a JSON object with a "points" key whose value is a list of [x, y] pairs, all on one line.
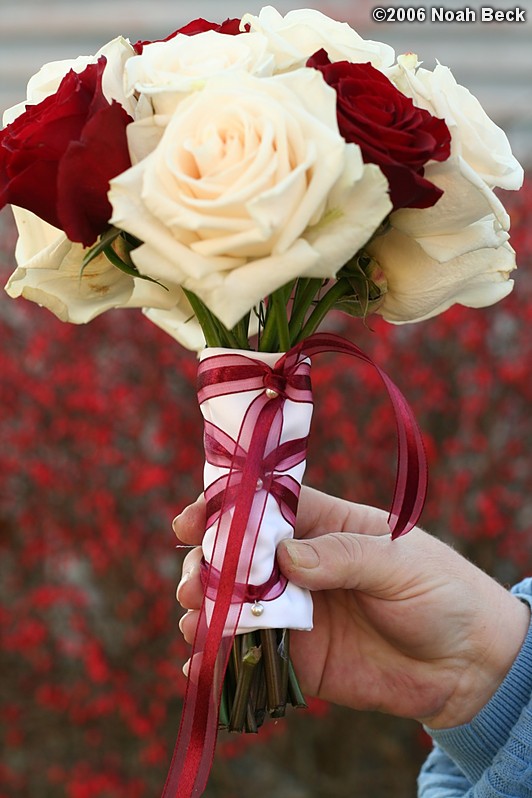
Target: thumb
{"points": [[340, 560]]}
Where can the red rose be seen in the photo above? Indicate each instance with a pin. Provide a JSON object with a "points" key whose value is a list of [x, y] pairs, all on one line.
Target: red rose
{"points": [[57, 158], [389, 129], [231, 27]]}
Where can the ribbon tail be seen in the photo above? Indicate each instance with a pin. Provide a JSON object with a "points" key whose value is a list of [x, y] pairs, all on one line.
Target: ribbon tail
{"points": [[194, 751], [412, 473]]}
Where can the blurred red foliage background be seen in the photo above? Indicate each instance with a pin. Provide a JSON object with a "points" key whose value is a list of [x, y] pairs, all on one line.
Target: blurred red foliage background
{"points": [[100, 446]]}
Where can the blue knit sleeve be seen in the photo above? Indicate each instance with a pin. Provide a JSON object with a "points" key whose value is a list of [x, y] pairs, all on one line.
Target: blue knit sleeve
{"points": [[441, 778], [490, 757]]}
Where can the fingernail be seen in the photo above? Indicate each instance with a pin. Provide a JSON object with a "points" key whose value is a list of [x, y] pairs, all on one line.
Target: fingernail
{"points": [[186, 667], [303, 555], [176, 519]]}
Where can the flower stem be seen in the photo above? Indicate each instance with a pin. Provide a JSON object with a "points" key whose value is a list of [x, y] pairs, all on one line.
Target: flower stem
{"points": [[280, 299], [283, 644], [275, 334], [294, 691], [258, 697], [249, 662], [216, 334], [268, 333], [325, 304], [259, 681], [306, 290], [205, 318], [241, 332], [230, 340], [223, 720], [272, 669]]}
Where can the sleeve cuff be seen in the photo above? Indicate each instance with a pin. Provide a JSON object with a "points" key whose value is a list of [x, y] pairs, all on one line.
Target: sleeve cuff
{"points": [[473, 746]]}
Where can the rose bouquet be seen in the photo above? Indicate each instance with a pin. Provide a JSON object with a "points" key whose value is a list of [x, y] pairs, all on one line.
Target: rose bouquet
{"points": [[238, 181]]}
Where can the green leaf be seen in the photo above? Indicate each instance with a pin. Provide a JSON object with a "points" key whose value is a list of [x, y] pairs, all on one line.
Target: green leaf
{"points": [[127, 268], [106, 239], [367, 286], [205, 319]]}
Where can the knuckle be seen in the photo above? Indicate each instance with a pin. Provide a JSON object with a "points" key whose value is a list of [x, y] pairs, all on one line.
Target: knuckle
{"points": [[192, 560], [350, 555]]}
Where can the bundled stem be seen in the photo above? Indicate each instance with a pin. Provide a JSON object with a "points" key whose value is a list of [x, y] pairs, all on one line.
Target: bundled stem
{"points": [[260, 681]]}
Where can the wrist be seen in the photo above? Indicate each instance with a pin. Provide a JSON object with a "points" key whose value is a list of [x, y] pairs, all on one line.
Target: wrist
{"points": [[494, 647]]}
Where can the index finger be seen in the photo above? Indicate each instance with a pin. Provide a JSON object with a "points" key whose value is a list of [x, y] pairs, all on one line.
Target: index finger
{"points": [[317, 514], [189, 526]]}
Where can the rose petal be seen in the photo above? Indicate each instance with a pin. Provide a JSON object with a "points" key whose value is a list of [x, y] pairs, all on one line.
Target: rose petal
{"points": [[168, 71], [485, 234], [230, 295], [46, 81], [85, 170], [299, 34], [466, 199], [356, 210]]}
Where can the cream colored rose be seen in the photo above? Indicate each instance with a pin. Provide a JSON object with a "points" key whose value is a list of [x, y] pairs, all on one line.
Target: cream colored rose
{"points": [[298, 35], [166, 72], [50, 273], [46, 81], [475, 137], [419, 287], [250, 186], [469, 216], [455, 251]]}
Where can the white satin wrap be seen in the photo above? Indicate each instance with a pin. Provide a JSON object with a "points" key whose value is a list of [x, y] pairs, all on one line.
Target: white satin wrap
{"points": [[292, 609]]}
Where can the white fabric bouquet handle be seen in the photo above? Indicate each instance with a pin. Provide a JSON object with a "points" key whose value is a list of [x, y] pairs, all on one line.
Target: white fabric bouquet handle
{"points": [[275, 603]]}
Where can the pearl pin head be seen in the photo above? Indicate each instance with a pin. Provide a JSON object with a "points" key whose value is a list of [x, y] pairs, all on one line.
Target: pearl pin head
{"points": [[257, 609], [271, 393]]}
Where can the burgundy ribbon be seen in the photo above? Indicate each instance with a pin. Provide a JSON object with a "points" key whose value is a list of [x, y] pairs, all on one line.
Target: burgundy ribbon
{"points": [[274, 586], [257, 449], [222, 450]]}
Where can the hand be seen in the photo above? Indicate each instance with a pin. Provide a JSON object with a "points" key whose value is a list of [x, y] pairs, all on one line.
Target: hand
{"points": [[407, 627]]}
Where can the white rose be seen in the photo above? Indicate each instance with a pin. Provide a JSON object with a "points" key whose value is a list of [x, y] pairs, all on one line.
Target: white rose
{"points": [[46, 81], [469, 216], [419, 287], [50, 273], [250, 186], [301, 33], [455, 251], [166, 72], [475, 137]]}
